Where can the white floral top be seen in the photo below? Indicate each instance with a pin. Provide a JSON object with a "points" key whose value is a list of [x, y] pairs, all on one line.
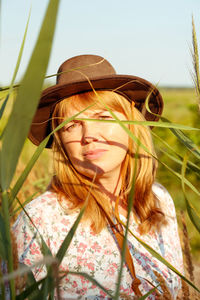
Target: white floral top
{"points": [[97, 254]]}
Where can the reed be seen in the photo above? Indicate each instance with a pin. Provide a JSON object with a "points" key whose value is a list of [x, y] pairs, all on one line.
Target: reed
{"points": [[186, 249], [195, 61], [165, 290]]}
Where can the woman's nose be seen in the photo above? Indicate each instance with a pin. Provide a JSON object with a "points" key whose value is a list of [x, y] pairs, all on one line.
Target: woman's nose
{"points": [[89, 132]]}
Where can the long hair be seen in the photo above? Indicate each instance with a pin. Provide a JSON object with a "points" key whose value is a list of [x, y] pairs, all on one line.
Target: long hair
{"points": [[68, 182]]}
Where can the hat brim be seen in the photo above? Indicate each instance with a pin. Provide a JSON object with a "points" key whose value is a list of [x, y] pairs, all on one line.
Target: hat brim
{"points": [[131, 87]]}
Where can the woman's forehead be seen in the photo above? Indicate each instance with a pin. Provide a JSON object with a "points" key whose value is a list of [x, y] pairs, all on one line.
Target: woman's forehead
{"points": [[88, 113], [89, 104]]}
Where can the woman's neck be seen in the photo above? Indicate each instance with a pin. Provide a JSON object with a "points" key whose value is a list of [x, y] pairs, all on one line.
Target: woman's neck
{"points": [[111, 186]]}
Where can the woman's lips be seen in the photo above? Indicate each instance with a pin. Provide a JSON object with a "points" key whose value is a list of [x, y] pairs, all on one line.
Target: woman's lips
{"points": [[94, 154]]}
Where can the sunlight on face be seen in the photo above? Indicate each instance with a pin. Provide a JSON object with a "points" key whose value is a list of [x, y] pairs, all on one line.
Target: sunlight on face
{"points": [[95, 147]]}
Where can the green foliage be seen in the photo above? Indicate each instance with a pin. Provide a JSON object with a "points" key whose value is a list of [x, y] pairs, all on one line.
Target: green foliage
{"points": [[181, 106], [20, 119], [27, 98]]}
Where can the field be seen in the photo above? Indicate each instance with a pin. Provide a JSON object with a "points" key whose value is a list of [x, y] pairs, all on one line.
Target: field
{"points": [[180, 107]]}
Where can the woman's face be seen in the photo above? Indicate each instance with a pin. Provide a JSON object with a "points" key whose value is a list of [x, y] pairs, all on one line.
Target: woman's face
{"points": [[95, 147]]}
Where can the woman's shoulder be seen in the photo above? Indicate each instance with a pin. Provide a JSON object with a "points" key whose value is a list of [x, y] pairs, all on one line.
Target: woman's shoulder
{"points": [[164, 199], [159, 190], [47, 208], [41, 207], [48, 199]]}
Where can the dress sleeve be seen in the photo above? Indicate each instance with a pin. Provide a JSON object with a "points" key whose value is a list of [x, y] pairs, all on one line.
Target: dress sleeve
{"points": [[29, 244], [172, 245]]}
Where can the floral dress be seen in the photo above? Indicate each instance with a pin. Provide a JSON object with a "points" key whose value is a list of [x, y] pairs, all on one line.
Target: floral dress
{"points": [[97, 254]]}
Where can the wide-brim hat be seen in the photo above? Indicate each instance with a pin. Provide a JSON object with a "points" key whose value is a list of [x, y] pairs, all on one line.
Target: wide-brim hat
{"points": [[76, 75]]}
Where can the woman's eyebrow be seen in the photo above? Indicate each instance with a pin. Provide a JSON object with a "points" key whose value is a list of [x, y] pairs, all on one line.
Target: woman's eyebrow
{"points": [[99, 112], [72, 121], [88, 116]]}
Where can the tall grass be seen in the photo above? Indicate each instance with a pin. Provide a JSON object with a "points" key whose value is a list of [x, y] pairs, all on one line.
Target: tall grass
{"points": [[11, 146]]}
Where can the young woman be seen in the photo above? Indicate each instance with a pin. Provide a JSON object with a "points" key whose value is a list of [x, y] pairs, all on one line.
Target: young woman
{"points": [[94, 165]]}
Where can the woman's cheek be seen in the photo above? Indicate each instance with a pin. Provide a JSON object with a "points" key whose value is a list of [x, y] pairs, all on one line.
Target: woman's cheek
{"points": [[111, 130]]}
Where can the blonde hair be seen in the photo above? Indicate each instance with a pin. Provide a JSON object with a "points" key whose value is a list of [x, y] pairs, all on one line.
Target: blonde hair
{"points": [[75, 186]]}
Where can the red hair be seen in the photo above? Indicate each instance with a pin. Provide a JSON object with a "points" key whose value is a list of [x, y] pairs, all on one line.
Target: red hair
{"points": [[74, 186]]}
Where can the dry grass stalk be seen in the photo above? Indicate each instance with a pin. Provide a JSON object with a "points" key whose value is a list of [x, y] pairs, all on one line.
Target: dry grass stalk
{"points": [[195, 59], [166, 293], [20, 281], [186, 249], [55, 272], [187, 291], [184, 294], [127, 297]]}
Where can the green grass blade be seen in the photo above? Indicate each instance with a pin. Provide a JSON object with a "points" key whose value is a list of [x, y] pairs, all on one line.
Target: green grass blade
{"points": [[130, 205], [20, 53], [193, 215], [6, 88], [190, 165], [152, 251], [32, 282], [3, 239], [187, 182], [94, 281], [3, 108], [138, 143], [36, 155], [167, 124], [149, 293], [187, 142], [184, 139], [164, 261], [46, 252], [16, 68], [45, 249], [27, 98], [48, 284], [24, 269], [31, 292], [63, 248], [2, 287], [13, 212], [8, 242]]}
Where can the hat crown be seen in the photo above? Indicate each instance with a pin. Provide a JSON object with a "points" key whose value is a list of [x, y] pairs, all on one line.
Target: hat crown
{"points": [[82, 67]]}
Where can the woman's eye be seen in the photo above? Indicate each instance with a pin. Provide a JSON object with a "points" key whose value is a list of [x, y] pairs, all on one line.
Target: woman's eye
{"points": [[105, 117], [71, 127]]}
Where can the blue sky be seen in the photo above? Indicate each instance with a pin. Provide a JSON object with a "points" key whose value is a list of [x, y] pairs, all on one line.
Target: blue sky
{"points": [[150, 39]]}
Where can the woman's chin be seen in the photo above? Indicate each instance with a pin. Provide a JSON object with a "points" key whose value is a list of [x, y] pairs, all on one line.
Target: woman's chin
{"points": [[92, 171]]}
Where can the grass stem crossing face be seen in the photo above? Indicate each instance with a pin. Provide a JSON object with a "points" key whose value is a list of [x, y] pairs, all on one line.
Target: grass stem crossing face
{"points": [[95, 146]]}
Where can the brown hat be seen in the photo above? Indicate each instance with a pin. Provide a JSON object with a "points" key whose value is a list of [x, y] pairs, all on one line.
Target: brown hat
{"points": [[72, 78]]}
